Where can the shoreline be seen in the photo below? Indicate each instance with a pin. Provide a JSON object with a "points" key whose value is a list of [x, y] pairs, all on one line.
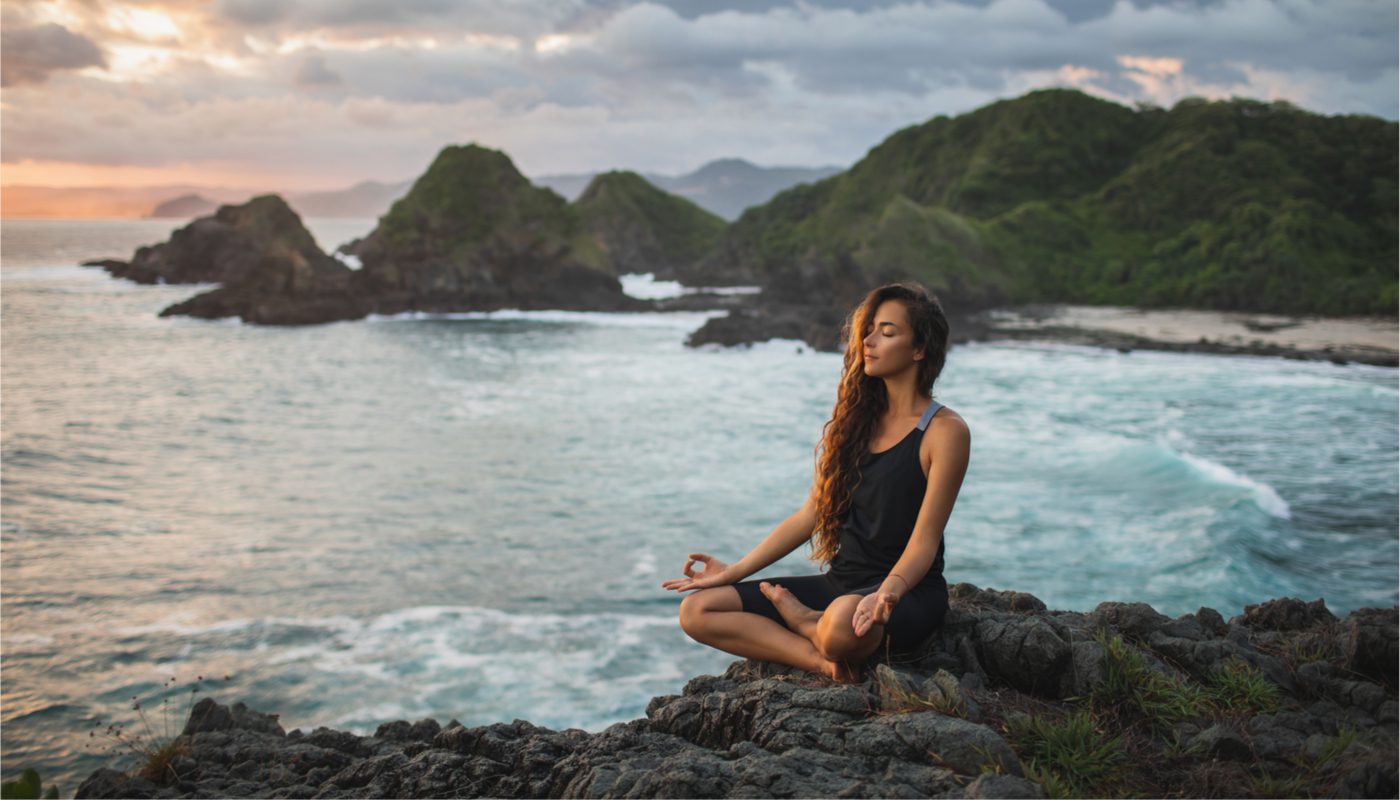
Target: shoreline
{"points": [[1285, 694], [1341, 340]]}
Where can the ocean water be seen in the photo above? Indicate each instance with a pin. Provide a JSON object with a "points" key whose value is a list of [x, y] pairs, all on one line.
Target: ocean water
{"points": [[469, 516]]}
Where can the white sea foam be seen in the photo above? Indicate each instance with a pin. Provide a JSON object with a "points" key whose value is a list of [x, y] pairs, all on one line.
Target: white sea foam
{"points": [[644, 285], [645, 319], [645, 564], [348, 259], [571, 666], [1264, 495]]}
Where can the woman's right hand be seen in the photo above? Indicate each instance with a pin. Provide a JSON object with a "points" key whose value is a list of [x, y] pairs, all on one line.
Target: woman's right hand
{"points": [[716, 574]]}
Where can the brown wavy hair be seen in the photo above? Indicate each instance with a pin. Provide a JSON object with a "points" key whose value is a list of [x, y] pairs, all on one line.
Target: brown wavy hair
{"points": [[861, 401]]}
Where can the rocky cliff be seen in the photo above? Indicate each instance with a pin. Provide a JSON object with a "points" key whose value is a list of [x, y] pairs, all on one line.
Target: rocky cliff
{"points": [[1008, 699]]}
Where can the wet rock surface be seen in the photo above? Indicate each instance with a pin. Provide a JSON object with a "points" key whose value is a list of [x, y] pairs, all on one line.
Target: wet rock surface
{"points": [[928, 723]]}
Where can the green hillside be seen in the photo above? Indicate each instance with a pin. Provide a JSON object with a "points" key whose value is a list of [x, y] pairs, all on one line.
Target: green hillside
{"points": [[473, 211], [1060, 196], [641, 228]]}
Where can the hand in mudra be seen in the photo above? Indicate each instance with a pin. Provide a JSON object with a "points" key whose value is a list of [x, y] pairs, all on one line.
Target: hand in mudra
{"points": [[874, 607], [714, 574]]}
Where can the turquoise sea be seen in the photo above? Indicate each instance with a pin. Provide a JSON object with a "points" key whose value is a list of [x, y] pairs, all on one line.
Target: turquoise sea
{"points": [[469, 516]]}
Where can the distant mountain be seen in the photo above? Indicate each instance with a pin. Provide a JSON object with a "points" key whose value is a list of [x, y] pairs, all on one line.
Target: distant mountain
{"points": [[366, 199], [184, 206], [103, 202], [724, 187]]}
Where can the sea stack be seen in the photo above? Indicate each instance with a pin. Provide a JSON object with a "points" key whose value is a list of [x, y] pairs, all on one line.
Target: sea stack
{"points": [[472, 234], [226, 246], [475, 234]]}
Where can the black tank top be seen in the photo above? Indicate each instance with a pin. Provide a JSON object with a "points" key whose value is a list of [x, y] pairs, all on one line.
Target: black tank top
{"points": [[884, 507]]}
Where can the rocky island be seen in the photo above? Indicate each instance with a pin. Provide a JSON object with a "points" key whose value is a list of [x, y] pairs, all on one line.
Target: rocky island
{"points": [[1007, 699], [472, 234]]}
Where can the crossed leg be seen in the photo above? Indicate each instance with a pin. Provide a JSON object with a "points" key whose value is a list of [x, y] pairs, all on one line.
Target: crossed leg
{"points": [[830, 630], [820, 642]]}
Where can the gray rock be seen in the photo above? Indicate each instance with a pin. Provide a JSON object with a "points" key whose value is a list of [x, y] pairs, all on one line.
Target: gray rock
{"points": [[1011, 786], [896, 687], [948, 689], [1186, 626], [1024, 652], [1286, 614], [1087, 669], [1375, 778], [1211, 622], [1223, 742], [1277, 743], [1134, 620], [852, 700], [1371, 643], [1203, 658], [963, 746], [1315, 744]]}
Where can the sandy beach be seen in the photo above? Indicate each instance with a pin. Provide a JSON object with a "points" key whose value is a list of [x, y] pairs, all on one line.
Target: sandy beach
{"points": [[1371, 340]]}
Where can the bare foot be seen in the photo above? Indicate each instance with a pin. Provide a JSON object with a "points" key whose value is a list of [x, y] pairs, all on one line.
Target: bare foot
{"points": [[840, 671], [799, 617]]}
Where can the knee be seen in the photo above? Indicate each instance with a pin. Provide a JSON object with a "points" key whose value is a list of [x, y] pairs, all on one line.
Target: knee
{"points": [[836, 637], [691, 613]]}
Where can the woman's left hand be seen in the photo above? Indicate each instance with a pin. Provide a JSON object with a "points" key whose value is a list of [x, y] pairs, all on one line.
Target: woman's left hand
{"points": [[874, 607]]}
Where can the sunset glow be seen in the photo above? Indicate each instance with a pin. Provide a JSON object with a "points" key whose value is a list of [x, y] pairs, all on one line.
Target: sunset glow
{"points": [[299, 95]]}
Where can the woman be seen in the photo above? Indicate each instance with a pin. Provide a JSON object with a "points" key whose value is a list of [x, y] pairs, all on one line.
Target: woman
{"points": [[889, 467]]}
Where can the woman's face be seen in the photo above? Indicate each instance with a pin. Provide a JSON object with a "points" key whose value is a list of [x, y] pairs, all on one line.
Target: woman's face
{"points": [[889, 341]]}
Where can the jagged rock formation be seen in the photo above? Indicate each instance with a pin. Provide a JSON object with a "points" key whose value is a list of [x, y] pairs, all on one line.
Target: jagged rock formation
{"points": [[471, 235], [228, 246], [643, 229], [945, 721]]}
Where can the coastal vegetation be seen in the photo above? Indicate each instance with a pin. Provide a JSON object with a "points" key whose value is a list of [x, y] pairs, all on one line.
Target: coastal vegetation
{"points": [[643, 229], [1058, 196]]}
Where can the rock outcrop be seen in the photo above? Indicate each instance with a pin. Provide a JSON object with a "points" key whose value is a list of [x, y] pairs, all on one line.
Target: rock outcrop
{"points": [[475, 234], [949, 720], [472, 234], [227, 247]]}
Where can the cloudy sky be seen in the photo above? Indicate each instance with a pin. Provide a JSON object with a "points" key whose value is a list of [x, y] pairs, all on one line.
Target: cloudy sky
{"points": [[311, 94]]}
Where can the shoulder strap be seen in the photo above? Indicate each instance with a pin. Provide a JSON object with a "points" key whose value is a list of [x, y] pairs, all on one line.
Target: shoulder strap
{"points": [[933, 406]]}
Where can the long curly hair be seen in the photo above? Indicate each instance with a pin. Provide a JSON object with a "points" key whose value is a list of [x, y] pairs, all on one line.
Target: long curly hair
{"points": [[861, 401]]}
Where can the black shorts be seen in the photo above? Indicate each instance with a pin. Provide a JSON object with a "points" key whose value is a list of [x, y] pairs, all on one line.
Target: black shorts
{"points": [[916, 616]]}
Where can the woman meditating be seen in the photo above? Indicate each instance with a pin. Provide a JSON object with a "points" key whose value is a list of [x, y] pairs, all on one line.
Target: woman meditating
{"points": [[889, 467]]}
